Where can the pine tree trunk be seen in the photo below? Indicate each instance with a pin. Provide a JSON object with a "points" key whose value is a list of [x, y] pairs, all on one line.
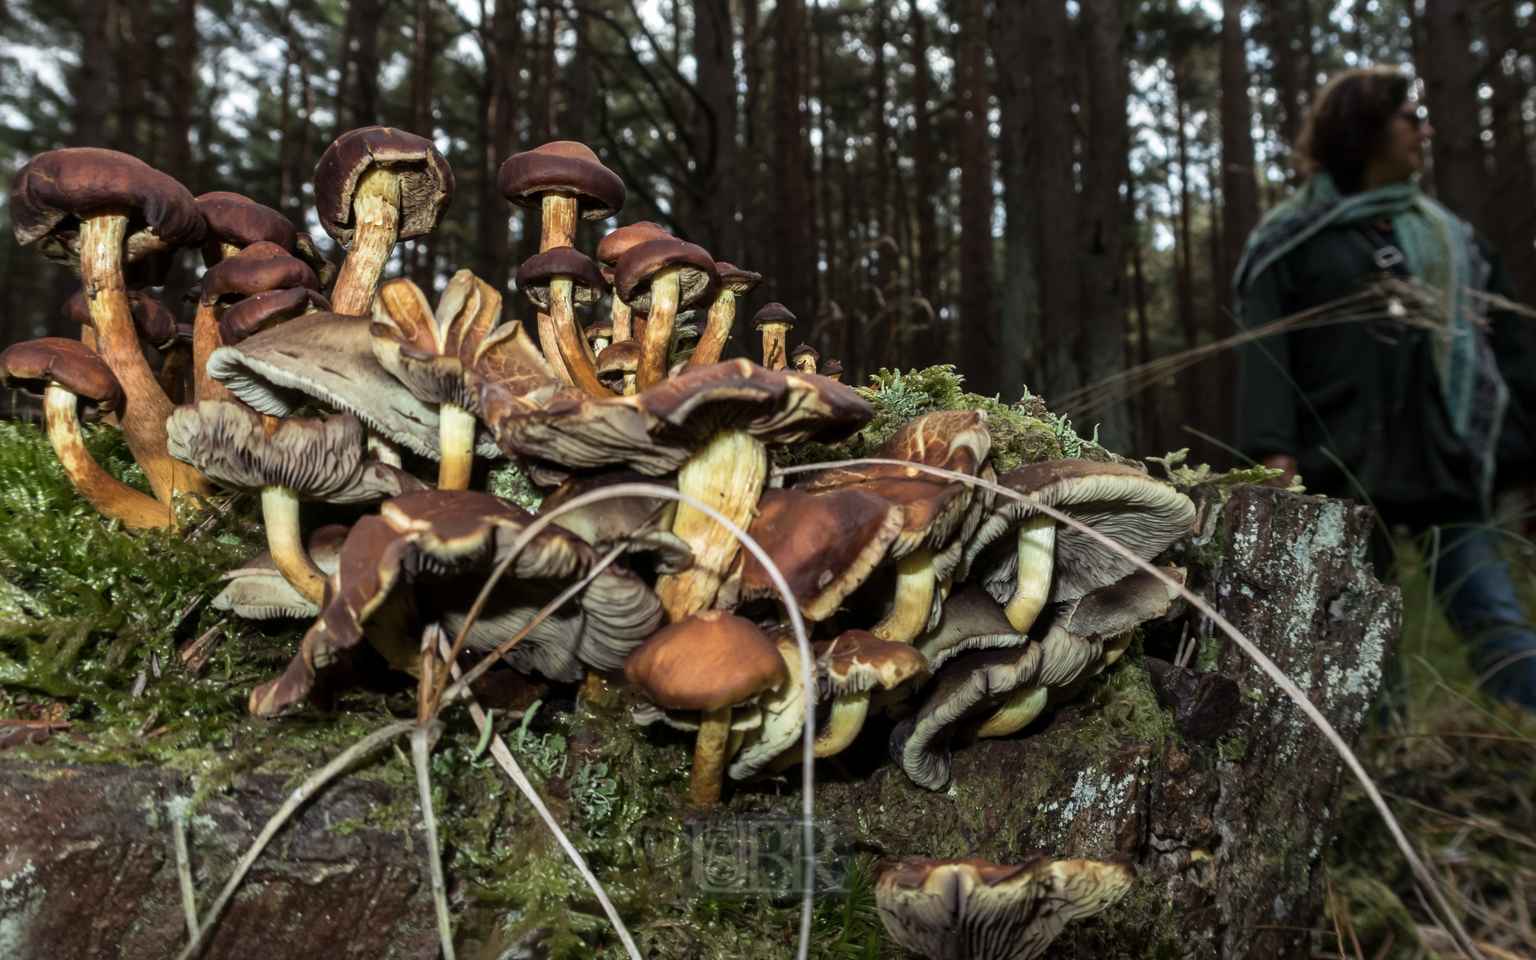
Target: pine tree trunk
{"points": [[793, 259], [1056, 215], [928, 343], [1239, 198], [980, 336], [1189, 380], [90, 87], [1281, 36], [133, 39], [365, 59], [1451, 78], [1511, 215], [502, 50], [1018, 293]]}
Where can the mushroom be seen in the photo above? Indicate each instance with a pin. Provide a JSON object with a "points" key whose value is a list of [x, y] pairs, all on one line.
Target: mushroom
{"points": [[969, 620], [658, 278], [832, 370], [75, 384], [848, 669], [609, 249], [564, 180], [783, 718], [730, 284], [970, 909], [774, 322], [557, 281], [599, 333], [236, 221], [79, 204], [1043, 564], [617, 364], [152, 321], [299, 458], [709, 662], [265, 310], [258, 591], [260, 267], [374, 187], [644, 522], [803, 358]]}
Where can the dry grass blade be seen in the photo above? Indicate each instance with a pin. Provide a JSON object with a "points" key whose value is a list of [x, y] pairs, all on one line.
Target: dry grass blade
{"points": [[178, 807], [422, 740], [1478, 823], [1420, 871]]}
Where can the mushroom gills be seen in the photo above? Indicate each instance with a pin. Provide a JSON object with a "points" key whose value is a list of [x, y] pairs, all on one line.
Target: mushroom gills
{"points": [[1032, 584], [728, 474], [456, 432], [280, 510], [113, 498], [916, 584]]}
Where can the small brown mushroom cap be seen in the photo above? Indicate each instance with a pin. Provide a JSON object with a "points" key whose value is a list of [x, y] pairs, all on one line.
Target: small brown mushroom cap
{"points": [[426, 180], [612, 247], [644, 521], [733, 278], [563, 166], [634, 271], [804, 355], [599, 330], [152, 320], [240, 221], [857, 661], [262, 311], [775, 313], [832, 370], [707, 661], [32, 365], [325, 270], [616, 360], [260, 267], [538, 272]]}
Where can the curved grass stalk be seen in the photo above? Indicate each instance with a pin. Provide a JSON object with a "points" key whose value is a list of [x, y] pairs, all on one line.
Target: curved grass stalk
{"points": [[1420, 871], [422, 740], [178, 808]]}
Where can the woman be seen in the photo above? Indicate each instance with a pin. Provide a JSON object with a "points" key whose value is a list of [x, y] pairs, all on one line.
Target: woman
{"points": [[1405, 416]]}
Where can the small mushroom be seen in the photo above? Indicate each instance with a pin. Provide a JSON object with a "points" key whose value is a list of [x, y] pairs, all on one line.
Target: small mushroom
{"points": [[643, 521], [236, 221], [557, 281], [970, 909], [599, 333], [731, 283], [848, 670], [709, 662], [970, 620], [832, 370], [783, 717], [803, 358], [609, 249], [774, 322], [565, 181], [75, 384], [658, 278], [374, 187], [265, 310], [261, 267], [616, 366], [258, 591], [152, 321]]}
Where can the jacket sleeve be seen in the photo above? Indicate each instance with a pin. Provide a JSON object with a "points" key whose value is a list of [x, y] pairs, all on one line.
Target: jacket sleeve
{"points": [[1510, 335], [1266, 413]]}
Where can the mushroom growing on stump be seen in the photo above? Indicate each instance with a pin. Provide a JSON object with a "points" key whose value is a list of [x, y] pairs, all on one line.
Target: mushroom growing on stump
{"points": [[90, 205], [730, 283], [257, 590], [658, 278], [848, 669], [609, 249], [375, 187], [710, 662], [970, 909], [774, 322], [643, 522], [783, 717], [558, 281], [803, 358], [970, 620], [76, 384], [599, 333]]}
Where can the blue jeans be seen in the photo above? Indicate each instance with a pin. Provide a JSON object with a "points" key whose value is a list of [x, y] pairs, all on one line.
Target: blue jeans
{"points": [[1474, 589]]}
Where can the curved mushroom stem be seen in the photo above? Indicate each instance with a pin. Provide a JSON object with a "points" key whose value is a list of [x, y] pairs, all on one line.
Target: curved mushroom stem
{"points": [[280, 510], [575, 351], [709, 755], [558, 227], [717, 330], [915, 586], [549, 344], [656, 345], [728, 474], [1016, 713], [145, 405], [775, 355], [205, 340], [456, 440], [1037, 549], [847, 719], [176, 360], [113, 498], [376, 215], [621, 320], [1114, 648]]}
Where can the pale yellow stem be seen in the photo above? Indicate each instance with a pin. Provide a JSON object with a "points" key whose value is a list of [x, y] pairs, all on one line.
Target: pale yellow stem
{"points": [[376, 220], [549, 343], [456, 441], [847, 719], [709, 755], [621, 320], [1037, 551], [915, 586], [717, 329], [381, 448], [559, 221], [656, 344], [728, 474], [113, 498], [280, 510], [1016, 713]]}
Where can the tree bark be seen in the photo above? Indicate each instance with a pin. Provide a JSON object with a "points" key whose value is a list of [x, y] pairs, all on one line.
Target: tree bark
{"points": [[1451, 79], [1189, 324], [1018, 293], [1057, 247], [793, 258], [91, 77], [980, 337], [929, 344], [1511, 215], [1239, 198], [1281, 37], [501, 49], [183, 92], [132, 49], [365, 58]]}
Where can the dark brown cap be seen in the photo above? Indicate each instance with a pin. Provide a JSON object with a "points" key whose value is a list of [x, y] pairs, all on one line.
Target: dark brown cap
{"points": [[261, 311], [260, 267], [599, 330], [804, 357], [32, 365], [773, 313], [563, 166], [536, 273], [641, 262], [738, 281], [151, 319], [831, 369], [612, 247], [325, 270], [707, 661], [426, 180], [858, 660], [616, 360], [240, 221]]}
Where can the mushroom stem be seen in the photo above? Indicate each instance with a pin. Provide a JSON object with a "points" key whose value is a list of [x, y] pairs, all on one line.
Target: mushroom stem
{"points": [[1016, 713], [1037, 548], [549, 343], [915, 586], [775, 356], [456, 440], [709, 755], [717, 329], [847, 719], [656, 346], [376, 219], [1114, 648], [728, 474], [176, 360], [621, 320], [559, 220], [575, 351], [145, 405], [205, 340], [113, 498], [280, 510]]}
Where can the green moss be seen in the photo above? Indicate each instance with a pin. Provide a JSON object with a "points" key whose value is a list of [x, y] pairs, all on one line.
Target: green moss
{"points": [[511, 483]]}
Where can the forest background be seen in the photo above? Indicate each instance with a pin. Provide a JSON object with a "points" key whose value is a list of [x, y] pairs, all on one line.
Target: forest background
{"points": [[1043, 192]]}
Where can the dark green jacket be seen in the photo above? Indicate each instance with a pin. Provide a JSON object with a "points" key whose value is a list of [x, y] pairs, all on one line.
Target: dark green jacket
{"points": [[1364, 390]]}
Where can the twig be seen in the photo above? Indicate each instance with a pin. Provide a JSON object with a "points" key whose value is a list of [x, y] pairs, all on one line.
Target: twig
{"points": [[295, 800], [422, 739], [193, 656], [177, 807]]}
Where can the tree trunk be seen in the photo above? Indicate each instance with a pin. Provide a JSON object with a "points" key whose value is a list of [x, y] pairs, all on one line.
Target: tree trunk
{"points": [[1189, 325], [578, 81], [91, 77], [1020, 308], [980, 338], [1239, 199], [183, 92], [1103, 56], [285, 135], [132, 48], [1451, 79], [929, 344], [418, 255], [501, 51], [1281, 37], [1511, 215], [1057, 248], [365, 58], [793, 258], [1146, 406]]}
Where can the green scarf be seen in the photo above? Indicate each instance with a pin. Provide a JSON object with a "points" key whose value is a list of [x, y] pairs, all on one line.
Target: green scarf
{"points": [[1438, 248]]}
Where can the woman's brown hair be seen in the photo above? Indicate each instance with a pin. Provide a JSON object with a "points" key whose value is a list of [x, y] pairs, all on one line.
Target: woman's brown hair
{"points": [[1347, 123]]}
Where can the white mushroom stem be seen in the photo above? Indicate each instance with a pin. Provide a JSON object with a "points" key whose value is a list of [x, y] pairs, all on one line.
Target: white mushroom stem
{"points": [[1037, 552], [376, 229], [915, 586], [114, 499], [629, 385], [728, 474], [775, 357], [709, 752], [1016, 713], [456, 440], [576, 353], [847, 719], [656, 345], [558, 228], [717, 329], [145, 406], [280, 510]]}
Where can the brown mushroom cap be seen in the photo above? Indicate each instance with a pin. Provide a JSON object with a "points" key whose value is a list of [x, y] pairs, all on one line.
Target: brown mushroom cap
{"points": [[55, 189], [599, 330], [258, 268], [257, 591], [612, 247], [152, 320], [772, 313], [738, 281], [644, 521], [240, 221], [426, 180], [537, 272], [32, 365], [970, 620], [616, 360], [857, 661], [261, 311], [563, 166], [832, 369], [800, 353], [710, 660], [640, 263]]}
